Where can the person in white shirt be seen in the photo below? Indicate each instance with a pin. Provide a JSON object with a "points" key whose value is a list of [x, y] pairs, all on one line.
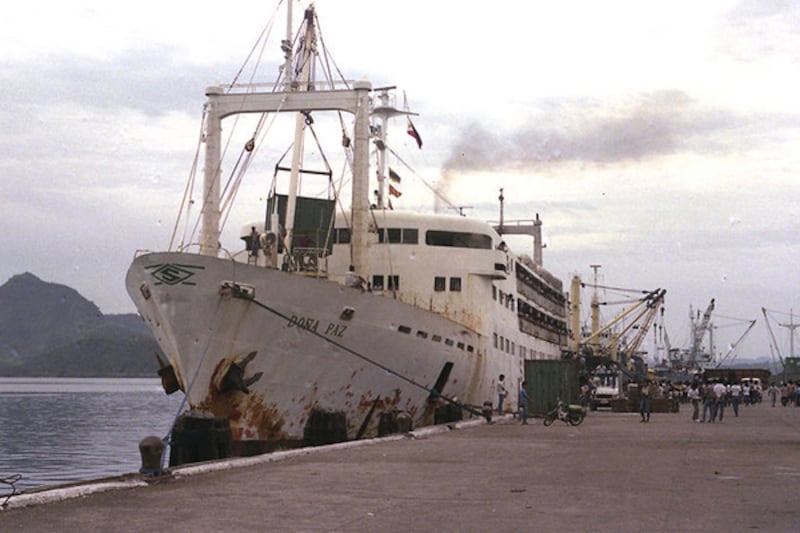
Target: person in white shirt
{"points": [[736, 395], [720, 396], [502, 392], [693, 394]]}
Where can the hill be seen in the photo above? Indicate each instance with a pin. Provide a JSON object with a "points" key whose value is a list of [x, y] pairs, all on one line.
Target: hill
{"points": [[50, 330]]}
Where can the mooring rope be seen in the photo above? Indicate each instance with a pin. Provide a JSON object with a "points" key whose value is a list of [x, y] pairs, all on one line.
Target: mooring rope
{"points": [[11, 480], [167, 437]]}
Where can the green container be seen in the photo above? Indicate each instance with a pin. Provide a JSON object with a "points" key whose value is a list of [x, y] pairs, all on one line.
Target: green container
{"points": [[547, 381]]}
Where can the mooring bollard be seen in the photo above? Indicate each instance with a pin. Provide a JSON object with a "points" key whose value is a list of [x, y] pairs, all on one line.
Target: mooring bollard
{"points": [[403, 422], [487, 411], [151, 448]]}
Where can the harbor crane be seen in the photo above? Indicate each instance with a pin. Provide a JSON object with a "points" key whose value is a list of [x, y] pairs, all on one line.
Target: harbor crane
{"points": [[700, 332]]}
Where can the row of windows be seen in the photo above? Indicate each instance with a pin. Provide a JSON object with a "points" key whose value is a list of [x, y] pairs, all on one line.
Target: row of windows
{"points": [[393, 283], [510, 347], [455, 239], [440, 283], [533, 315], [528, 312], [506, 300], [527, 277], [437, 338]]}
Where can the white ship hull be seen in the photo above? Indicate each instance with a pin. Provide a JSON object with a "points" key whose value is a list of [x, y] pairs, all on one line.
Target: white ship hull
{"points": [[277, 334], [309, 357]]}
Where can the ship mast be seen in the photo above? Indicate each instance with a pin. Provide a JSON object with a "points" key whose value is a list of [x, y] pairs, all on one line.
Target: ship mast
{"points": [[223, 103], [384, 110], [298, 85]]}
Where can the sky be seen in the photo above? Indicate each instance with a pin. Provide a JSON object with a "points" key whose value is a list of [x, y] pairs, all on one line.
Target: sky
{"points": [[657, 139]]}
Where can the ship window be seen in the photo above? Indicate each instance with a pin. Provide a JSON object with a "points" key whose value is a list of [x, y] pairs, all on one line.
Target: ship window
{"points": [[508, 345], [458, 239], [394, 282], [422, 334], [343, 235], [381, 235], [439, 283], [455, 284], [494, 293], [404, 329], [449, 342], [377, 283], [470, 348], [436, 338], [494, 335], [393, 234], [410, 236], [460, 345]]}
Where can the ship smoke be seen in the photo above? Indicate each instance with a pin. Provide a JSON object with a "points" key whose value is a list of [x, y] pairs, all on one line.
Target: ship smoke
{"points": [[644, 126]]}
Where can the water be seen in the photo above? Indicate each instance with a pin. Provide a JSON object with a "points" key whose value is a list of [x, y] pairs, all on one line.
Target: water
{"points": [[59, 430]]}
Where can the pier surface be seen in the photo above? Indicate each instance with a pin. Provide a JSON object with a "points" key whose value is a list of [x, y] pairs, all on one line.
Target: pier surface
{"points": [[612, 473]]}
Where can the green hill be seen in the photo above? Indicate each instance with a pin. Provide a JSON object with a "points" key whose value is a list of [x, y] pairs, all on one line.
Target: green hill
{"points": [[50, 330]]}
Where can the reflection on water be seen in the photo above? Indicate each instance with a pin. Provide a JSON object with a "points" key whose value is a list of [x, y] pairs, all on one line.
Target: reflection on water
{"points": [[55, 430]]}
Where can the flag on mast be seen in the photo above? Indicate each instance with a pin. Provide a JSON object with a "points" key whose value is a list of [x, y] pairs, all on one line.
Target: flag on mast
{"points": [[394, 176], [414, 133]]}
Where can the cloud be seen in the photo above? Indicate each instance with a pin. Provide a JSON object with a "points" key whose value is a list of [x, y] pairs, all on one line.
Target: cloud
{"points": [[642, 127]]}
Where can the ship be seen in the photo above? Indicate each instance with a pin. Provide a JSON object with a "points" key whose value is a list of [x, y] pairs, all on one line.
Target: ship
{"points": [[330, 319]]}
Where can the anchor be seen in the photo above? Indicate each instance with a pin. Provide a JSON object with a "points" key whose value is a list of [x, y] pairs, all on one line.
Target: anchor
{"points": [[234, 378]]}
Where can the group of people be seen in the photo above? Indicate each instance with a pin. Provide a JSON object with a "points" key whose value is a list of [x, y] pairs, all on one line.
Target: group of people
{"points": [[786, 391], [715, 395]]}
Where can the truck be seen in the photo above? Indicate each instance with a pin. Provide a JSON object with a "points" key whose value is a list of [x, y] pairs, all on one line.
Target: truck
{"points": [[606, 387]]}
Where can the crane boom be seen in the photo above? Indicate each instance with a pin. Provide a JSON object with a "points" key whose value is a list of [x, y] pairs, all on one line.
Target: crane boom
{"points": [[700, 331], [772, 337], [645, 326], [736, 344]]}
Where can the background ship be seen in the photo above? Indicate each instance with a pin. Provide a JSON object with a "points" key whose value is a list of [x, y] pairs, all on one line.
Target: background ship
{"points": [[329, 320]]}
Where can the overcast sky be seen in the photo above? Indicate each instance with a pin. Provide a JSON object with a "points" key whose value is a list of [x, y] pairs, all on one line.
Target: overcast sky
{"points": [[657, 139]]}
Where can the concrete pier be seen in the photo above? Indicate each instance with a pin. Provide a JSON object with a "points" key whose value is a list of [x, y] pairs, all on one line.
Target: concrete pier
{"points": [[612, 473]]}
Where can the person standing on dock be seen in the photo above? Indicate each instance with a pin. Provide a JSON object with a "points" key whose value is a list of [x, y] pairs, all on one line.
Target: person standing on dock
{"points": [[708, 402], [693, 395], [501, 393], [773, 393], [736, 393], [523, 402], [645, 403], [720, 396]]}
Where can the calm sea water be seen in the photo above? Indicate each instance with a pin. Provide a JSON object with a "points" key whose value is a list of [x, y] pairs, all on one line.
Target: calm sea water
{"points": [[58, 430]]}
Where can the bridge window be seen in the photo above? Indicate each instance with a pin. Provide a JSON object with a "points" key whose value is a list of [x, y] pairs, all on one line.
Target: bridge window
{"points": [[343, 235], [393, 235], [458, 239], [410, 236]]}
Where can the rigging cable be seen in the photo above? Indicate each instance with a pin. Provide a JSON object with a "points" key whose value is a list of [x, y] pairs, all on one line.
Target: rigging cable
{"points": [[431, 391]]}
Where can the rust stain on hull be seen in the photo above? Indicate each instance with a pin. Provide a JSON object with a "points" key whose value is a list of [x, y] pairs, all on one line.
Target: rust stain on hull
{"points": [[250, 417]]}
